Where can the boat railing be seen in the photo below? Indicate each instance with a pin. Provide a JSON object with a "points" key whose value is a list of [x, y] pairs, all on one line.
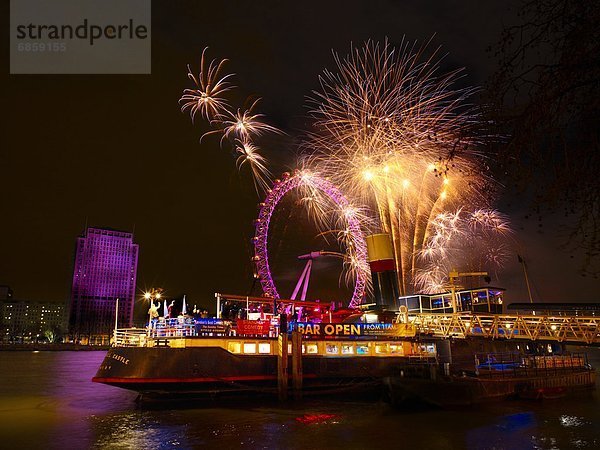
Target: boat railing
{"points": [[172, 328], [129, 337], [516, 364]]}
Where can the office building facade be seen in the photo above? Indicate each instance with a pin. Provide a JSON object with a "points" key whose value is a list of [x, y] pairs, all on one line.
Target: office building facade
{"points": [[105, 270], [32, 321]]}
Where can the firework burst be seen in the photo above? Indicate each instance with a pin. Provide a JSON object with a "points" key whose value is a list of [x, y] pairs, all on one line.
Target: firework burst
{"points": [[335, 220], [245, 124], [470, 240], [207, 98], [392, 132], [239, 129], [248, 153]]}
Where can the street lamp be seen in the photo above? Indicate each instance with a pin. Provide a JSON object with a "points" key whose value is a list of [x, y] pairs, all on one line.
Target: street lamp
{"points": [[153, 294]]}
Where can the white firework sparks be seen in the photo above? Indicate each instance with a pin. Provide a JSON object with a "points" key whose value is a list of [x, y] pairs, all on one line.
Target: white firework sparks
{"points": [[239, 128], [473, 241], [248, 153], [245, 124], [207, 98]]}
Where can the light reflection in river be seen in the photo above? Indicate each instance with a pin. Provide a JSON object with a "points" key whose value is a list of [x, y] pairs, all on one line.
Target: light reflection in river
{"points": [[48, 401]]}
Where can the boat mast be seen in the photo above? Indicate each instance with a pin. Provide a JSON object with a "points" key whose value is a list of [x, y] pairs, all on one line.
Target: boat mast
{"points": [[522, 261], [116, 318]]}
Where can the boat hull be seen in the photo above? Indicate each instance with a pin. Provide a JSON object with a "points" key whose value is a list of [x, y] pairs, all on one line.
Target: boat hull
{"points": [[455, 376], [211, 370], [469, 390]]}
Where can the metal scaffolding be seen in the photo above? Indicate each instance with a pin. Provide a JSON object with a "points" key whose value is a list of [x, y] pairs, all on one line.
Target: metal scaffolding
{"points": [[568, 329]]}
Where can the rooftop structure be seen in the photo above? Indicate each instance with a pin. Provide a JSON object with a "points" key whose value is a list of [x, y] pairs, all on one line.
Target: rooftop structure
{"points": [[6, 293]]}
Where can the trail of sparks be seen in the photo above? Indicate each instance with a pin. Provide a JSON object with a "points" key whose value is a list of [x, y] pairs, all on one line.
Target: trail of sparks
{"points": [[240, 129], [392, 132], [469, 240]]}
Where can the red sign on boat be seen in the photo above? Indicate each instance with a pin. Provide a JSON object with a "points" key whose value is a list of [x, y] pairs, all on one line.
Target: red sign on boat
{"points": [[252, 327]]}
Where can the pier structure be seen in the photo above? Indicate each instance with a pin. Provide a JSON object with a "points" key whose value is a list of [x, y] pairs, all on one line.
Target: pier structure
{"points": [[568, 329]]}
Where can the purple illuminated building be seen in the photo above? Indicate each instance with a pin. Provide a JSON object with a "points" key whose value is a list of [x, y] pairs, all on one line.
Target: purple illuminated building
{"points": [[105, 270]]}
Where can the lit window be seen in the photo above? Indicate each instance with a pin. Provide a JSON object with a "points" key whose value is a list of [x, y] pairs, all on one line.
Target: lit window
{"points": [[312, 349], [347, 349], [332, 349], [263, 347], [234, 347], [396, 349], [362, 349], [249, 347]]}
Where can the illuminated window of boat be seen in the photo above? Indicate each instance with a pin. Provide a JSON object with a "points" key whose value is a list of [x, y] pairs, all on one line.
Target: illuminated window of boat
{"points": [[264, 347], [362, 349], [234, 347], [347, 349], [381, 348], [427, 348], [332, 349], [249, 347], [396, 349], [312, 349], [289, 349]]}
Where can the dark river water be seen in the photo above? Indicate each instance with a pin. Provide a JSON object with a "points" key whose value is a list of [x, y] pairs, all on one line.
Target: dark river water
{"points": [[48, 401]]}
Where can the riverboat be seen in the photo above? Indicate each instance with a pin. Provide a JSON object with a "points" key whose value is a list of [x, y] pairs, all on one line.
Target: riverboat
{"points": [[326, 350], [224, 356]]}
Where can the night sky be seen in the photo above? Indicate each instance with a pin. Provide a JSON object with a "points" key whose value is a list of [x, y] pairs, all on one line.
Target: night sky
{"points": [[115, 150]]}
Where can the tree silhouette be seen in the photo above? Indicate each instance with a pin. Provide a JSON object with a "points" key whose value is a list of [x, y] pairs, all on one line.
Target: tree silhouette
{"points": [[546, 104]]}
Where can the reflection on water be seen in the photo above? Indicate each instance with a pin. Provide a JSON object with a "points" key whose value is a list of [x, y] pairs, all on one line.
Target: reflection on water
{"points": [[48, 401], [509, 431]]}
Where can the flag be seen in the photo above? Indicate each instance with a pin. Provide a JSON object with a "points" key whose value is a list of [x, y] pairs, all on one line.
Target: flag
{"points": [[183, 308], [165, 309]]}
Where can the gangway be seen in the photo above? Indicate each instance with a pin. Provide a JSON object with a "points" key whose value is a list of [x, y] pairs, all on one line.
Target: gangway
{"points": [[564, 328]]}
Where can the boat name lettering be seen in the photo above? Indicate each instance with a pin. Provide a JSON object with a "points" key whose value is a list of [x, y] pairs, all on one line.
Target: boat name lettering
{"points": [[120, 358]]}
